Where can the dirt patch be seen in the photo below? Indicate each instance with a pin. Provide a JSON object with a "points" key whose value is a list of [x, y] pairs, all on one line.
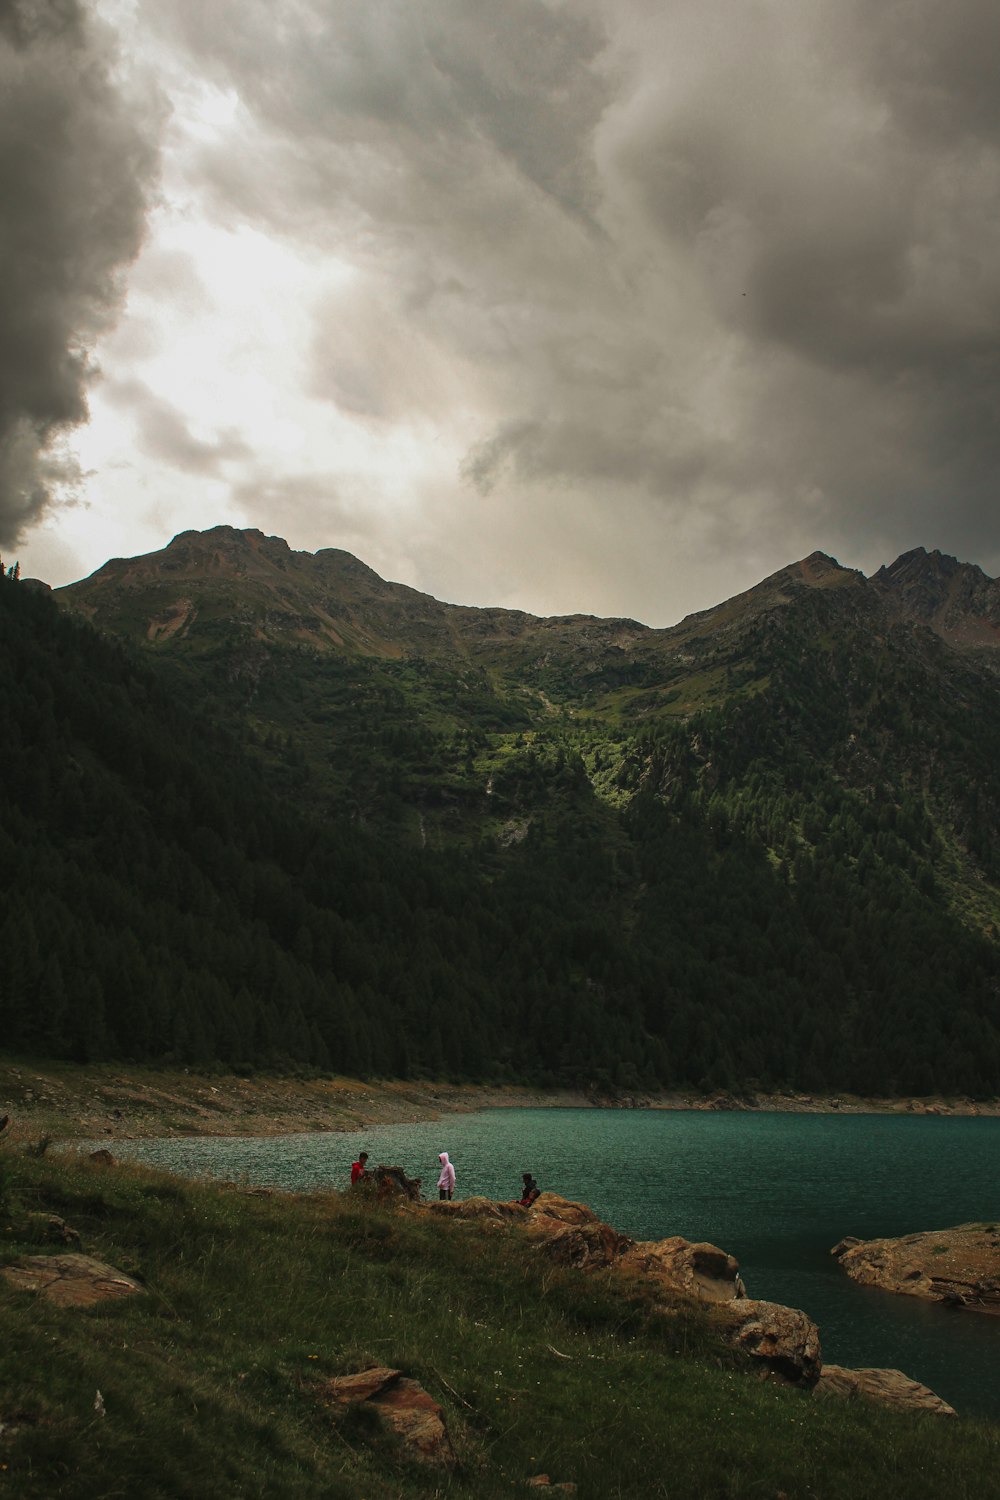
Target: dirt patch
{"points": [[78, 1102]]}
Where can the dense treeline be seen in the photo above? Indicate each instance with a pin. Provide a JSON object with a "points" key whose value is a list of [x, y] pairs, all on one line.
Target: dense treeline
{"points": [[747, 918]]}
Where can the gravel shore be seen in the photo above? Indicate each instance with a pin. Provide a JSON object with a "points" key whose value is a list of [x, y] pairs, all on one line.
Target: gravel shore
{"points": [[72, 1101]]}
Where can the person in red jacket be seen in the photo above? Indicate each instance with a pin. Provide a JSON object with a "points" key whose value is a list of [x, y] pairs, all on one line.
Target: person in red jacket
{"points": [[359, 1169]]}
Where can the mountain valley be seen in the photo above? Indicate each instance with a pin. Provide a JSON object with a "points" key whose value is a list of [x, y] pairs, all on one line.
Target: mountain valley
{"points": [[756, 849]]}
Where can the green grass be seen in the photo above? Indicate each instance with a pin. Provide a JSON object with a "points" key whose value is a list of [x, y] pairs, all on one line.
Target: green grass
{"points": [[210, 1381]]}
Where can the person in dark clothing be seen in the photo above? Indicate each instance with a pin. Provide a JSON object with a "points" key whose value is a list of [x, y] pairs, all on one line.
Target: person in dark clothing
{"points": [[530, 1190]]}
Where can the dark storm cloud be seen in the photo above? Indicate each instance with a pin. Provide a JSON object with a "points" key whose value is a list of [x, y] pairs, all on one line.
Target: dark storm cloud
{"points": [[838, 187], [937, 66], [74, 166], [393, 101], [739, 262]]}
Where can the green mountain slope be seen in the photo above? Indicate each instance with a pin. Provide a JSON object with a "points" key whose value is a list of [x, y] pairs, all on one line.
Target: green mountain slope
{"points": [[758, 848], [440, 720]]}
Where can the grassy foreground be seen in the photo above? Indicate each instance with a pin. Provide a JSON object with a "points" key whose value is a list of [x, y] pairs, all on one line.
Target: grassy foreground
{"points": [[209, 1383]]}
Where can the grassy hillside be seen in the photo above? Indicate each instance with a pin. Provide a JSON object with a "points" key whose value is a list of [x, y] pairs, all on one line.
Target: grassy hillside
{"points": [[210, 1382]]}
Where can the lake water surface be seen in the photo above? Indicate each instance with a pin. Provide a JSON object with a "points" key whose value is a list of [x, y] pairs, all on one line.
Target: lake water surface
{"points": [[775, 1190]]}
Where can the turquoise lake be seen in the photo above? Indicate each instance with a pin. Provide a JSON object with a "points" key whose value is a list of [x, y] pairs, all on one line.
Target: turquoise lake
{"points": [[775, 1190]]}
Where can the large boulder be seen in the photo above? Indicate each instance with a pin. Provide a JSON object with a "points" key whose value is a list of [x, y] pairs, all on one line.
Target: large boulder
{"points": [[551, 1206], [403, 1407], [571, 1233], [702, 1271], [888, 1387], [960, 1266], [69, 1280], [784, 1340], [588, 1247]]}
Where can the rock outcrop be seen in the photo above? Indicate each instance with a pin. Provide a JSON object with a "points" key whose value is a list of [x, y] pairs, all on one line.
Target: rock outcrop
{"points": [[69, 1280], [699, 1270], [571, 1233], [403, 1407], [888, 1387], [786, 1340], [475, 1207], [960, 1266]]}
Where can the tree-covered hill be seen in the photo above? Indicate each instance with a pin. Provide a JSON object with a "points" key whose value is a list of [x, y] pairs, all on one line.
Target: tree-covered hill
{"points": [[758, 849]]}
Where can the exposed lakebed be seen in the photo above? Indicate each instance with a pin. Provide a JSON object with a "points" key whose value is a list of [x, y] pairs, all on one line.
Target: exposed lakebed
{"points": [[775, 1190]]}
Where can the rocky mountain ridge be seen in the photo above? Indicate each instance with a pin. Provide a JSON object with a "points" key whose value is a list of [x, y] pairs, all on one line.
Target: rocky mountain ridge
{"points": [[375, 682], [331, 601], [956, 600]]}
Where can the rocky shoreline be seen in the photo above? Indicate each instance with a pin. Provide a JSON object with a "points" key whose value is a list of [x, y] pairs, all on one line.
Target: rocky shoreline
{"points": [[71, 1101], [781, 1343], [958, 1266]]}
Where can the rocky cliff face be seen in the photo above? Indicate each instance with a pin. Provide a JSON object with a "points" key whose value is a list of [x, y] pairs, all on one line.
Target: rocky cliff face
{"points": [[955, 600]]}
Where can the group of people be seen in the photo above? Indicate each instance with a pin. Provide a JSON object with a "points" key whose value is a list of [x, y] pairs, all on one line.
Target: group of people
{"points": [[446, 1181]]}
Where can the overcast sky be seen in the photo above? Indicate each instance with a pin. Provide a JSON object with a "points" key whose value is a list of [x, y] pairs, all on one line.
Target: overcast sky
{"points": [[612, 306]]}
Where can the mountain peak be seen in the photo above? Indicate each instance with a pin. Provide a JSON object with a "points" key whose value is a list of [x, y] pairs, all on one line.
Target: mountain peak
{"points": [[956, 600], [918, 562], [819, 571]]}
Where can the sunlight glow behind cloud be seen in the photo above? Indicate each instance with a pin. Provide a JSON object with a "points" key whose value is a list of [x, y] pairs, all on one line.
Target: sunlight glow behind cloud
{"points": [[611, 307]]}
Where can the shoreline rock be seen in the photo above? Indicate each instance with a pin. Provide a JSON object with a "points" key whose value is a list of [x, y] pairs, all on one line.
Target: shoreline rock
{"points": [[958, 1266], [783, 1341], [784, 1338], [889, 1387]]}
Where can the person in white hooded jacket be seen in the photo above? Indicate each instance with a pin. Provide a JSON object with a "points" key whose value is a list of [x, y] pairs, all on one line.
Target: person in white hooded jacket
{"points": [[446, 1182]]}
